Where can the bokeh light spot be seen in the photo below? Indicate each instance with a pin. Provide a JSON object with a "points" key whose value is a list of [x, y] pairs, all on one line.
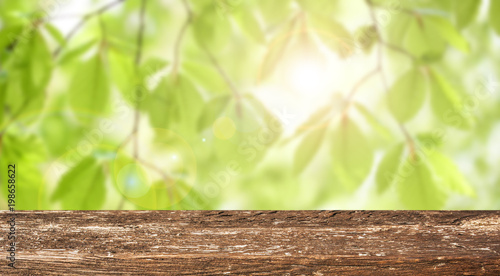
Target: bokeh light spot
{"points": [[224, 128]]}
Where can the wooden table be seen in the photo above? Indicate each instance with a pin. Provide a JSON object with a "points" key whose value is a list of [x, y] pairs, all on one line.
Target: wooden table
{"points": [[254, 242]]}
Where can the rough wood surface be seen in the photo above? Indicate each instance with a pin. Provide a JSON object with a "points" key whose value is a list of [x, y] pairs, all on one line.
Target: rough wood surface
{"points": [[255, 242]]}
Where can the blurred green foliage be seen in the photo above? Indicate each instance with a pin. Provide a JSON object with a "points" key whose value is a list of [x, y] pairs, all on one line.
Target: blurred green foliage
{"points": [[150, 104]]}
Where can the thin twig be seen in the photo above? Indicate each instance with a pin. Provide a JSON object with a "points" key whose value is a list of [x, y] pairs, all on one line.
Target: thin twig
{"points": [[166, 178], [63, 17], [137, 115], [398, 49], [1, 144], [399, 9], [140, 34], [178, 42], [82, 22], [364, 79], [16, 114], [104, 31], [409, 139], [138, 57], [356, 87], [222, 73]]}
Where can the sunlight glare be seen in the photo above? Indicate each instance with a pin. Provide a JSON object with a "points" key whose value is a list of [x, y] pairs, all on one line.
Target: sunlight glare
{"points": [[307, 74]]}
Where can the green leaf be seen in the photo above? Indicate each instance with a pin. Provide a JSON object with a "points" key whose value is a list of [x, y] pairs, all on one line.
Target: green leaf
{"points": [[59, 133], [263, 114], [423, 40], [493, 15], [308, 149], [449, 33], [319, 6], [274, 12], [26, 152], [427, 37], [248, 22], [446, 102], [418, 188], [194, 200], [441, 9], [55, 33], [389, 167], [124, 75], [465, 12], [449, 175], [316, 120], [246, 131], [352, 154], [134, 84], [175, 104], [398, 28], [429, 141], [373, 121], [77, 52], [151, 67], [212, 110], [28, 73], [211, 30], [8, 34], [250, 115], [34, 60], [333, 34], [3, 94], [121, 45], [366, 37], [164, 195], [82, 187], [321, 117], [206, 76], [407, 95], [89, 90], [276, 50]]}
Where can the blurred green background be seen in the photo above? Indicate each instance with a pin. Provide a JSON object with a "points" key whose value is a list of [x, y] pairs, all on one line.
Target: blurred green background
{"points": [[257, 104]]}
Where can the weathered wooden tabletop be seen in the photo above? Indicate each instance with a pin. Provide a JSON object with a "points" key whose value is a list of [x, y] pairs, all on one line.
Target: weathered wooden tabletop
{"points": [[254, 242]]}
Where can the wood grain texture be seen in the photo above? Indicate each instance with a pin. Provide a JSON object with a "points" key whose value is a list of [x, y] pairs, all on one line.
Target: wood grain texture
{"points": [[255, 242]]}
